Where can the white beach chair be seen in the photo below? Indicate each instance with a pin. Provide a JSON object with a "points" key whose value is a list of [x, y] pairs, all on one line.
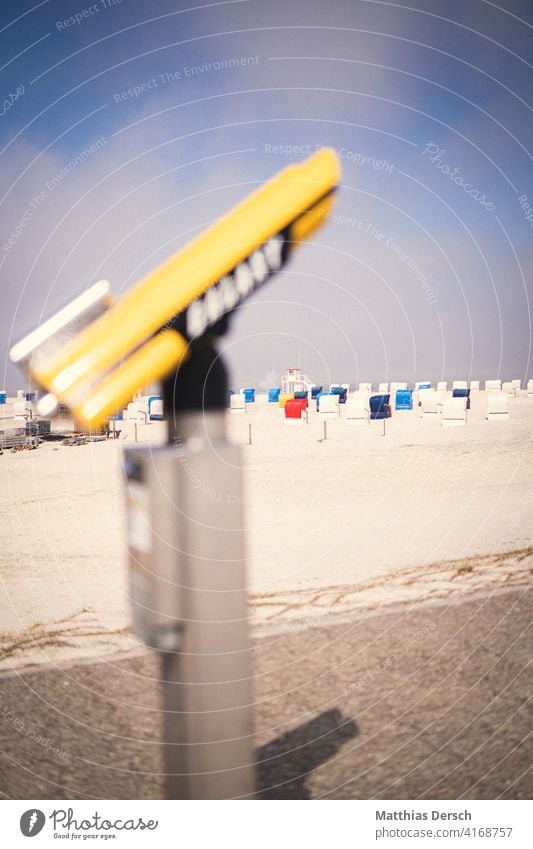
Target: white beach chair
{"points": [[517, 385], [474, 386], [530, 388], [156, 409], [493, 386], [237, 405], [128, 429], [23, 410], [442, 386], [135, 413], [460, 384], [454, 412], [383, 388], [497, 407], [508, 388], [430, 403], [395, 386], [357, 410], [365, 387], [328, 406]]}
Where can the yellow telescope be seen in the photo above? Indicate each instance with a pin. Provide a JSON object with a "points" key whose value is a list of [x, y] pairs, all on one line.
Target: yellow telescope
{"points": [[94, 354]]}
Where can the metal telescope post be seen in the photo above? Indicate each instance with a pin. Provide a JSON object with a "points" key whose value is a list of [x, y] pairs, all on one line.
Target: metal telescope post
{"points": [[185, 499], [188, 583]]}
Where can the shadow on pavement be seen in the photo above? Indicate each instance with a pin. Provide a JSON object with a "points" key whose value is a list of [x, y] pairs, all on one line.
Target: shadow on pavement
{"points": [[284, 764]]}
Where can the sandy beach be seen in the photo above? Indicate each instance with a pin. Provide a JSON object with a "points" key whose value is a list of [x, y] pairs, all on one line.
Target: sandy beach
{"points": [[358, 519]]}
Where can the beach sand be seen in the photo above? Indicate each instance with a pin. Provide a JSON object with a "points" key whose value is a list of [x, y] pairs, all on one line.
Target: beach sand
{"points": [[361, 518]]}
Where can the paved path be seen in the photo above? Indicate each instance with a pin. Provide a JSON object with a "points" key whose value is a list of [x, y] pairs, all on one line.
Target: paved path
{"points": [[421, 701]]}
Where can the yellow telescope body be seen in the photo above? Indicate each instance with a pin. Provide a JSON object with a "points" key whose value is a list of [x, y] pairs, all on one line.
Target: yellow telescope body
{"points": [[140, 338]]}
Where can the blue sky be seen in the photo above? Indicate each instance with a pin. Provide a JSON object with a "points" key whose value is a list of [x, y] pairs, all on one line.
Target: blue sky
{"points": [[188, 106]]}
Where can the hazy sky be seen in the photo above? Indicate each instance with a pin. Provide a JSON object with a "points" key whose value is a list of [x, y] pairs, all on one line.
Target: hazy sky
{"points": [[424, 270]]}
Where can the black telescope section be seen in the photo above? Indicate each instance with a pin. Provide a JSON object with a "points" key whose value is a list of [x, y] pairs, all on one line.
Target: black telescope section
{"points": [[200, 384], [210, 313]]}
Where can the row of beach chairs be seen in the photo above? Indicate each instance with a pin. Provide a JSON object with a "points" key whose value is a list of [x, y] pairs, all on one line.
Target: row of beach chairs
{"points": [[361, 407], [510, 387]]}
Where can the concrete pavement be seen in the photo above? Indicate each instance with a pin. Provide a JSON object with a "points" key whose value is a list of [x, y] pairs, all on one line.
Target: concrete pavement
{"points": [[406, 703]]}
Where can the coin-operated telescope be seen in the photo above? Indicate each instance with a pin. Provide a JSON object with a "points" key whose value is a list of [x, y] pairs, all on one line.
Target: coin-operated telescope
{"points": [[94, 354], [185, 513]]}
